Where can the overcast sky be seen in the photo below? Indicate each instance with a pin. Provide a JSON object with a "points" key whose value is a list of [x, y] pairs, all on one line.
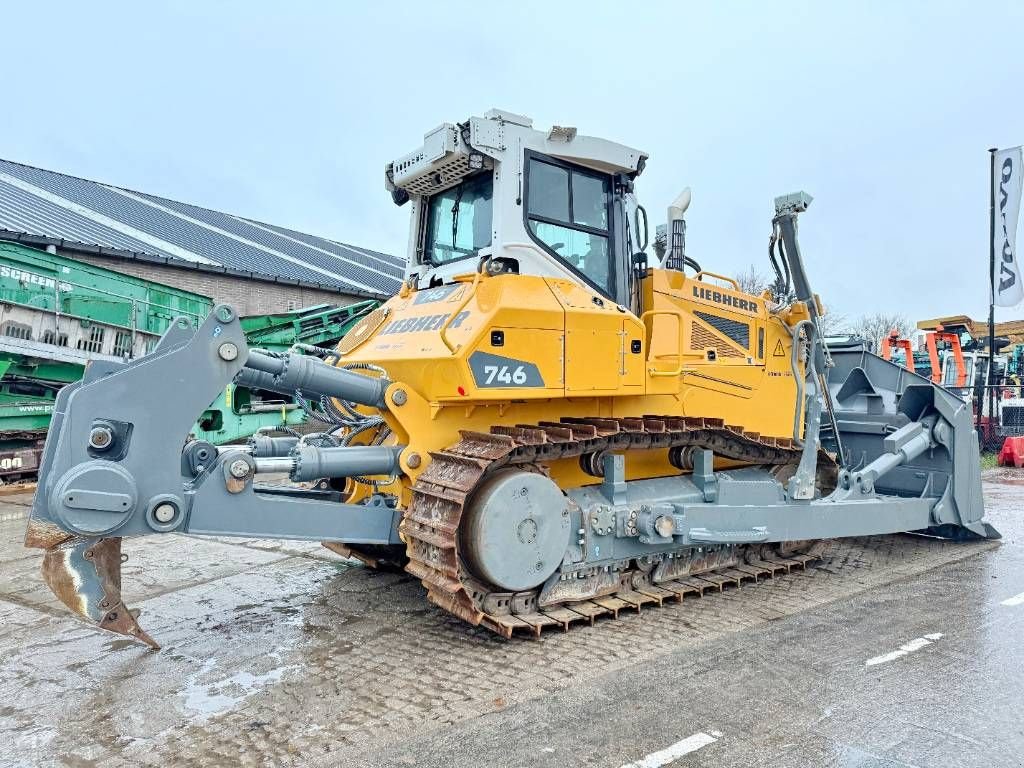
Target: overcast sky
{"points": [[287, 112]]}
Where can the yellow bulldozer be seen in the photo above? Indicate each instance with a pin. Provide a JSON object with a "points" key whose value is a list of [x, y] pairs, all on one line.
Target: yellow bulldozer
{"points": [[548, 423]]}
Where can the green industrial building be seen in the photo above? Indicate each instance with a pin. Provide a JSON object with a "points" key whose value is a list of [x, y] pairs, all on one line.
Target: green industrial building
{"points": [[90, 272]]}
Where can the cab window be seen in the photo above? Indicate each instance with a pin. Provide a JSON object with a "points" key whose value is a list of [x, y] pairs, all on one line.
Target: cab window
{"points": [[459, 220], [567, 212]]}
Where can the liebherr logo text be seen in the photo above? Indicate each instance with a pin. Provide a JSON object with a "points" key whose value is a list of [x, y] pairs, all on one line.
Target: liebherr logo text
{"points": [[745, 305], [425, 323]]}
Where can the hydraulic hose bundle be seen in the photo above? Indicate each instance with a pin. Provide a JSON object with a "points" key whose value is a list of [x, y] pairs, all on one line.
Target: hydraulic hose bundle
{"points": [[326, 393]]}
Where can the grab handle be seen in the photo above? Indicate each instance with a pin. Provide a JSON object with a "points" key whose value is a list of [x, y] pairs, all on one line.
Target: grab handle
{"points": [[650, 334], [701, 275]]}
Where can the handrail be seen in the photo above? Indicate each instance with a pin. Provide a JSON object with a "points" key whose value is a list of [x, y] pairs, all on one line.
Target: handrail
{"points": [[155, 334], [700, 275], [462, 305], [680, 320]]}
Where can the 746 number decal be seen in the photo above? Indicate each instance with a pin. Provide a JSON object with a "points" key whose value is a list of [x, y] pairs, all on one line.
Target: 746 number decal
{"points": [[494, 371], [503, 375]]}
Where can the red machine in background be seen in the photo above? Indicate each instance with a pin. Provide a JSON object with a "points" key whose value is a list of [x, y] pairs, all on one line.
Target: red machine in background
{"points": [[895, 341], [1012, 452], [953, 339], [935, 364], [965, 375]]}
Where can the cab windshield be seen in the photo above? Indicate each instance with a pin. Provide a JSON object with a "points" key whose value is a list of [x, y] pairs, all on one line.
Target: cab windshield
{"points": [[459, 220]]}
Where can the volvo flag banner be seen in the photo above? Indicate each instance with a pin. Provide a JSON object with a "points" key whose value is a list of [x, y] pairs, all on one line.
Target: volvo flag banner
{"points": [[1007, 289]]}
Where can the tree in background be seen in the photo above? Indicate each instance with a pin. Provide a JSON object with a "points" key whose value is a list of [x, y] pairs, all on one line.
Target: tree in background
{"points": [[753, 282], [873, 327], [660, 243], [877, 326], [834, 324]]}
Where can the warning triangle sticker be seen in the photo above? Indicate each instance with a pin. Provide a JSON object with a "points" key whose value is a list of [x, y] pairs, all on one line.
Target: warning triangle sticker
{"points": [[780, 351]]}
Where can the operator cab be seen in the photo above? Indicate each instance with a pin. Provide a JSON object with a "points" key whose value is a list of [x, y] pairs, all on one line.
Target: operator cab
{"points": [[494, 193]]}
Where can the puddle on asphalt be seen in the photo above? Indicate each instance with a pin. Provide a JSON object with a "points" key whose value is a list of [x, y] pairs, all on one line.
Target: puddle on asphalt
{"points": [[1004, 476], [204, 693], [1008, 481], [204, 699], [213, 688]]}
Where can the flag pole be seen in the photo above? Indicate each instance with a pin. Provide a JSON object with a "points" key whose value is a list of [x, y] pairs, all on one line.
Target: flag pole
{"points": [[989, 392]]}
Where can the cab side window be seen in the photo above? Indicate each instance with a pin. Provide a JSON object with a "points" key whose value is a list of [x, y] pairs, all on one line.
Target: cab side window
{"points": [[567, 212]]}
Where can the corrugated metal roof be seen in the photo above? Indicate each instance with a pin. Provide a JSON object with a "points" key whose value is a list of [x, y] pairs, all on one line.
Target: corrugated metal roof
{"points": [[49, 206]]}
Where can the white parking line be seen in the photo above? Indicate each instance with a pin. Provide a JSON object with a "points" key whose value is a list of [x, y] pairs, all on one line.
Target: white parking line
{"points": [[914, 645], [677, 750], [1015, 600]]}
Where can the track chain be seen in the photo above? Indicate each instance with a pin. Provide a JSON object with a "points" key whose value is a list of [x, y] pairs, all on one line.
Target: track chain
{"points": [[430, 523]]}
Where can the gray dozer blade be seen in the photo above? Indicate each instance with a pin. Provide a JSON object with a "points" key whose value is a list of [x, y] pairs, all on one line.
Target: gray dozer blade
{"points": [[85, 575], [875, 401]]}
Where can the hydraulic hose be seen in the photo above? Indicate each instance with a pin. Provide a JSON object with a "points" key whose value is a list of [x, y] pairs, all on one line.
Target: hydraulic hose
{"points": [[316, 383], [780, 265], [636, 221]]}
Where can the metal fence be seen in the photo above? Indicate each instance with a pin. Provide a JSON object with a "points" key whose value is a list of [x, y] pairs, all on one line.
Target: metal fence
{"points": [[998, 411]]}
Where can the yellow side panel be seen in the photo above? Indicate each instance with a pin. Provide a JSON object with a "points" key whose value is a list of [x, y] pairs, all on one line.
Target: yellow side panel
{"points": [[527, 364], [598, 343], [592, 352], [634, 358], [429, 336], [520, 349], [733, 353]]}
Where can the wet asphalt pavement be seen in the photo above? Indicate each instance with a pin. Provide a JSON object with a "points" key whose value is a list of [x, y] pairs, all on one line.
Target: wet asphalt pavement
{"points": [[897, 651]]}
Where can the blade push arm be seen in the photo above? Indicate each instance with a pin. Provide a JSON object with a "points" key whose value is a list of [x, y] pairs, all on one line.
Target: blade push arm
{"points": [[114, 465]]}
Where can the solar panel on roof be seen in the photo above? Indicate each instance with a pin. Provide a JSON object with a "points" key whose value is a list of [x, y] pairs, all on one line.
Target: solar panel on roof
{"points": [[367, 276], [22, 211], [382, 261], [232, 242]]}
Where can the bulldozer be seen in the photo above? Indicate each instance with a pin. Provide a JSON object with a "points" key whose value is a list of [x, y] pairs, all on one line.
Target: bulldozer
{"points": [[545, 425]]}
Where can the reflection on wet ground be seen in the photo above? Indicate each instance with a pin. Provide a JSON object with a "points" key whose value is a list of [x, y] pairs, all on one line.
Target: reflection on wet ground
{"points": [[285, 653]]}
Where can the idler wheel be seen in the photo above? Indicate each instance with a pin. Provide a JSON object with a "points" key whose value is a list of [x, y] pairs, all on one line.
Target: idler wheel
{"points": [[516, 530]]}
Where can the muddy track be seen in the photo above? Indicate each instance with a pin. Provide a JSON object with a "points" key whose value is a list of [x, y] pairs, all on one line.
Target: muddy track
{"points": [[430, 525]]}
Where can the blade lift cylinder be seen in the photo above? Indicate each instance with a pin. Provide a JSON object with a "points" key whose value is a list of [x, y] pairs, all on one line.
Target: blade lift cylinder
{"points": [[292, 372]]}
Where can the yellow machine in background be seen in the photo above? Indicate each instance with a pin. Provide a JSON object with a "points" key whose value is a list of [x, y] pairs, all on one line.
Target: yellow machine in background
{"points": [[545, 425]]}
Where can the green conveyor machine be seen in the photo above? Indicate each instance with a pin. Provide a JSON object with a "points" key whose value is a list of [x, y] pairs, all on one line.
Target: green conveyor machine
{"points": [[57, 315]]}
